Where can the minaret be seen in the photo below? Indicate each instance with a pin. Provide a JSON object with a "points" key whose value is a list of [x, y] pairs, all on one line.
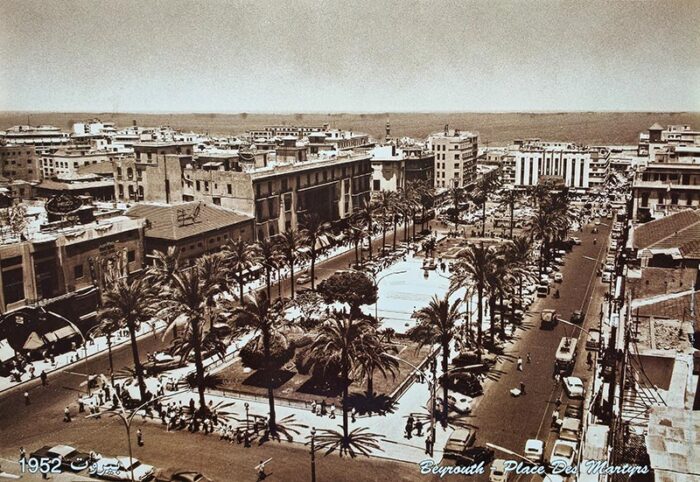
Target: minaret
{"points": [[388, 133]]}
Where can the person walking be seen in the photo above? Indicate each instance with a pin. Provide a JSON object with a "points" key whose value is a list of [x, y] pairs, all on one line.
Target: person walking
{"points": [[66, 415], [557, 402], [528, 357], [555, 418], [332, 411], [409, 427], [520, 364], [419, 428], [261, 470], [522, 388], [27, 401], [353, 415], [429, 444], [589, 360], [139, 437], [22, 454], [313, 407], [44, 378]]}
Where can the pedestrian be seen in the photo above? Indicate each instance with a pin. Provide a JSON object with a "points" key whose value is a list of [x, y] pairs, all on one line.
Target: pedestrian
{"points": [[332, 410], [313, 407], [66, 415], [323, 406], [22, 454], [409, 427], [26, 398], [353, 415], [44, 378], [557, 402], [318, 410], [528, 358], [520, 364], [261, 471], [139, 437], [81, 405], [429, 444], [419, 428], [589, 360], [522, 388], [557, 378], [555, 418]]}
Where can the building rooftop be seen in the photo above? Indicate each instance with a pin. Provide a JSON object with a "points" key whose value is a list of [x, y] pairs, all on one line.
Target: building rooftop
{"points": [[656, 127], [673, 444], [184, 220], [679, 231]]}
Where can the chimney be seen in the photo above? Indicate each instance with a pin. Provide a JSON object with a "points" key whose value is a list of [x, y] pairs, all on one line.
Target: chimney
{"points": [[447, 128]]}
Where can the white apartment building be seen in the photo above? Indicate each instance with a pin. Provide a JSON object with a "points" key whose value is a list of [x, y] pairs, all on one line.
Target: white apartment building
{"points": [[530, 161], [455, 157]]}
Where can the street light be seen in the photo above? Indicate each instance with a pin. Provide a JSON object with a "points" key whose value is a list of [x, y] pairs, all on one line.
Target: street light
{"points": [[247, 441], [313, 455], [376, 285]]}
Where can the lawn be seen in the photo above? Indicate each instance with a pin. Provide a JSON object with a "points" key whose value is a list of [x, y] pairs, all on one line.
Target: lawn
{"points": [[295, 387]]}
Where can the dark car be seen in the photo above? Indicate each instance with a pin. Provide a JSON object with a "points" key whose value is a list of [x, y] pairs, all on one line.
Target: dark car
{"points": [[465, 383], [574, 409], [70, 458], [577, 317], [475, 455], [470, 357], [180, 475], [164, 363]]}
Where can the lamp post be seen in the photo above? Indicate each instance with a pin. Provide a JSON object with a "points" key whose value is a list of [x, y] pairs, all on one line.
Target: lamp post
{"points": [[376, 285], [313, 455], [247, 426]]}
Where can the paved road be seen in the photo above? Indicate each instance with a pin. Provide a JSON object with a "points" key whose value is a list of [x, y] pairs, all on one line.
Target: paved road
{"points": [[41, 423], [508, 421]]}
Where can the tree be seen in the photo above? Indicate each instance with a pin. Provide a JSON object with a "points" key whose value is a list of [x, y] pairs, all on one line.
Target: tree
{"points": [[317, 234], [386, 204], [509, 198], [213, 274], [129, 303], [484, 186], [290, 241], [475, 265], [270, 259], [338, 345], [188, 299], [356, 234], [458, 196], [354, 288], [365, 215], [165, 265], [264, 318], [437, 325], [240, 258], [106, 327], [376, 356]]}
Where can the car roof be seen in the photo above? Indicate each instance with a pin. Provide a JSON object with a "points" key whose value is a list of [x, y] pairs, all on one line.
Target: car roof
{"points": [[534, 443], [571, 423], [461, 434], [574, 380], [62, 449]]}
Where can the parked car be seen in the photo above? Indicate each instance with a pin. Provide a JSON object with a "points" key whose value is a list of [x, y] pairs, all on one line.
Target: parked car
{"points": [[570, 429], [542, 290], [471, 358], [475, 455], [573, 387], [465, 383], [534, 450], [576, 240], [180, 475], [120, 468], [460, 403], [458, 443], [574, 409], [558, 277], [163, 362], [563, 453], [607, 277], [70, 457], [593, 339], [304, 278], [498, 471]]}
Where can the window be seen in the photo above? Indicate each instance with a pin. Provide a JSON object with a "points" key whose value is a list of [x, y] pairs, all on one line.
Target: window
{"points": [[456, 165], [13, 285], [197, 186], [78, 271], [229, 189], [376, 185]]}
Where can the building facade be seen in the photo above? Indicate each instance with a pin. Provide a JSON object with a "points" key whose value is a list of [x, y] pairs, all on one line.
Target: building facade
{"points": [[455, 157], [19, 162], [526, 161]]}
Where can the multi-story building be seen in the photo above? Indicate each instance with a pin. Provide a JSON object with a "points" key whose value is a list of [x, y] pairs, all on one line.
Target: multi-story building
{"points": [[657, 139], [599, 167], [420, 164], [274, 187], [455, 157], [67, 161], [268, 132], [19, 162], [529, 159], [40, 136], [388, 168]]}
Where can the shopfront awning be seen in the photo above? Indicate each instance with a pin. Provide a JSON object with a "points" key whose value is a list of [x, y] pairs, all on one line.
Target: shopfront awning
{"points": [[61, 334], [6, 351], [33, 342]]}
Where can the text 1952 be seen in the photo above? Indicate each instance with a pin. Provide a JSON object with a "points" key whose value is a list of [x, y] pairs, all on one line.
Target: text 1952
{"points": [[42, 465]]}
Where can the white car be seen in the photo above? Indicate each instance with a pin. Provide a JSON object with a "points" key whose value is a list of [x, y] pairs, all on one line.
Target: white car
{"points": [[498, 471], [534, 450], [563, 453], [120, 468], [460, 403], [573, 387], [304, 278], [558, 277], [576, 240]]}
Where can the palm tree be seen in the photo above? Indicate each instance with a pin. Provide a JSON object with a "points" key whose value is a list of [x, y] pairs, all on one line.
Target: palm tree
{"points": [[484, 186], [262, 317], [376, 356], [129, 303], [164, 265], [458, 197], [290, 241], [386, 204], [106, 327], [509, 198], [426, 194], [315, 232], [356, 234], [213, 274], [543, 227], [270, 259], [338, 345], [366, 216], [188, 297], [474, 265], [437, 324], [240, 257]]}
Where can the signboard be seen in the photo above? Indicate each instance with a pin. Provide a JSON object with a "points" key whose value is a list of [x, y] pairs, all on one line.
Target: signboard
{"points": [[63, 204]]}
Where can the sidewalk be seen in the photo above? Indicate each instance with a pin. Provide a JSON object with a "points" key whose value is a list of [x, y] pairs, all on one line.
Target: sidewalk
{"points": [[74, 357]]}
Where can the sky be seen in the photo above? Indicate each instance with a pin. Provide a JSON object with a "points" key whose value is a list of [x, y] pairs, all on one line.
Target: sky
{"points": [[349, 56]]}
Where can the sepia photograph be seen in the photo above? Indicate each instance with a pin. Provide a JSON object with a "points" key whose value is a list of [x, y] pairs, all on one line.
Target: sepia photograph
{"points": [[350, 241]]}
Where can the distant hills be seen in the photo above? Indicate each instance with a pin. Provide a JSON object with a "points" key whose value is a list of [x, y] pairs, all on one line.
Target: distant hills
{"points": [[494, 128]]}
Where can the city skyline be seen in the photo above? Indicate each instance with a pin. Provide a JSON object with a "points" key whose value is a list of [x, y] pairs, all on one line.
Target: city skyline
{"points": [[225, 57]]}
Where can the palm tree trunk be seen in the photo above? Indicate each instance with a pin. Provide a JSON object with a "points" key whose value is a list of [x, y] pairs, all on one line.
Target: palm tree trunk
{"points": [[279, 282], [512, 207], [109, 355], [269, 284], [503, 318], [370, 386], [483, 218], [492, 325], [291, 276], [480, 316], [313, 268], [199, 365], [369, 233], [383, 234], [240, 286], [345, 382], [137, 362], [393, 244], [270, 392], [445, 378]]}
